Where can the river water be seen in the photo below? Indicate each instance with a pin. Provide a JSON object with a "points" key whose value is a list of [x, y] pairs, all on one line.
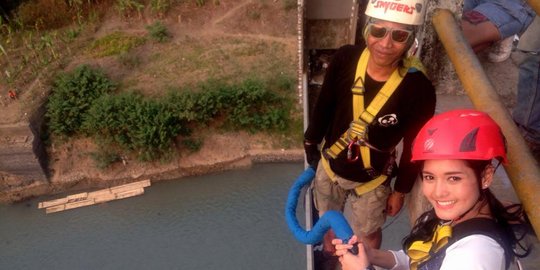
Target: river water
{"points": [[230, 220]]}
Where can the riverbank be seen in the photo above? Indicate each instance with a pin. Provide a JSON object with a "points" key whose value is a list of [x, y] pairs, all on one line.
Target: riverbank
{"points": [[74, 169]]}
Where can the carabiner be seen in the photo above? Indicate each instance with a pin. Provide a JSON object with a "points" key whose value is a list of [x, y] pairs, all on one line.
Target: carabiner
{"points": [[350, 151]]}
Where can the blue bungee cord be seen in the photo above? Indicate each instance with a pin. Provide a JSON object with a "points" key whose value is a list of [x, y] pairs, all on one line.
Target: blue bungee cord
{"points": [[330, 220]]}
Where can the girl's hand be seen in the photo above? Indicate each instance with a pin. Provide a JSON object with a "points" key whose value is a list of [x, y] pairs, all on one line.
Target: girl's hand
{"points": [[347, 259]]}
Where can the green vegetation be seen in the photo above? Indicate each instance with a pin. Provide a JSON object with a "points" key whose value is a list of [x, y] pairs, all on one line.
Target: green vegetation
{"points": [[161, 101], [115, 43], [290, 4], [200, 3], [82, 103], [126, 7], [134, 123], [72, 96], [158, 32], [160, 6], [105, 158]]}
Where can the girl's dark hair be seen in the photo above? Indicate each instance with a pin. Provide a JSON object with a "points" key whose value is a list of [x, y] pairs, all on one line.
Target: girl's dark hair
{"points": [[511, 218]]}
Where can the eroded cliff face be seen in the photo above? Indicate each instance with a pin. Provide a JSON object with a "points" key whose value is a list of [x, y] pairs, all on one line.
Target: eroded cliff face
{"points": [[20, 166]]}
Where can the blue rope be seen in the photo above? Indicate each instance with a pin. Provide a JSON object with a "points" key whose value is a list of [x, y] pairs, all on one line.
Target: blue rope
{"points": [[330, 220]]}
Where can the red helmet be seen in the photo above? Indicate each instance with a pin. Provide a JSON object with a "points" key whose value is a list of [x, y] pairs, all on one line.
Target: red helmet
{"points": [[460, 134]]}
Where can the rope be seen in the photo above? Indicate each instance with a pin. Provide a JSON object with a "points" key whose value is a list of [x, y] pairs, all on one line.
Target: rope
{"points": [[330, 220]]}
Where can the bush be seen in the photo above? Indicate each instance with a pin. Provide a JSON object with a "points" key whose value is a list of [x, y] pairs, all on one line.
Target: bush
{"points": [[193, 145], [148, 127], [72, 96], [105, 158], [253, 107], [136, 124], [248, 105], [158, 32]]}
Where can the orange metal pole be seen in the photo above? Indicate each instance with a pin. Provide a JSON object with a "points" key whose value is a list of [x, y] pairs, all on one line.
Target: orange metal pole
{"points": [[535, 4], [522, 168]]}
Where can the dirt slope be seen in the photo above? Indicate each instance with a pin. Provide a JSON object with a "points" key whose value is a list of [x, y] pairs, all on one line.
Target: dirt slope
{"points": [[214, 30]]}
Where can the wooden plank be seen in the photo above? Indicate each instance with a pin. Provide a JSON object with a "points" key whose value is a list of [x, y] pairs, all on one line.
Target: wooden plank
{"points": [[105, 198], [129, 186], [99, 193], [129, 193], [95, 197], [54, 209], [81, 203], [77, 197], [52, 203]]}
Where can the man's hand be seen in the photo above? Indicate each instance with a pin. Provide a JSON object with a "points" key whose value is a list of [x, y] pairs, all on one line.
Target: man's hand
{"points": [[394, 203], [313, 155]]}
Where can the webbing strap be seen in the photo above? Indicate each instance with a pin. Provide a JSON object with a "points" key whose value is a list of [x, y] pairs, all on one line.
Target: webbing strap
{"points": [[363, 187], [420, 251], [363, 117], [358, 128]]}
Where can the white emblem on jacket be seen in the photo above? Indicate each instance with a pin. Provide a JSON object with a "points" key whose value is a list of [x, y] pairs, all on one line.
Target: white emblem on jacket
{"points": [[388, 120]]}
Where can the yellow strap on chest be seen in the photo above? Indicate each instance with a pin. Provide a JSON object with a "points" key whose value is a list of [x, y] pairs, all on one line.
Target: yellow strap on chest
{"points": [[421, 251], [363, 117]]}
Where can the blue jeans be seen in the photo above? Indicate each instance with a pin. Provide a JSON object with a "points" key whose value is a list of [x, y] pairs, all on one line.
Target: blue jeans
{"points": [[527, 111], [509, 16]]}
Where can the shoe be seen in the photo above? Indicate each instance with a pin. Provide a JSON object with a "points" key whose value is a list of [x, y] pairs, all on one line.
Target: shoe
{"points": [[501, 50]]}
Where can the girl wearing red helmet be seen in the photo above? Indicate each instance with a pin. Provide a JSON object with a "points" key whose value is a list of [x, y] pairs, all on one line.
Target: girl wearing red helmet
{"points": [[468, 227]]}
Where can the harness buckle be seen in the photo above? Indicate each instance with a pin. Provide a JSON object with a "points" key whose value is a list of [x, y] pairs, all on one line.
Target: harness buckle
{"points": [[357, 129], [358, 89], [371, 172]]}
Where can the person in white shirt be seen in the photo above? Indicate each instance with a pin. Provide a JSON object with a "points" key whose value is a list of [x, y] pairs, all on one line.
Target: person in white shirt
{"points": [[468, 228]]}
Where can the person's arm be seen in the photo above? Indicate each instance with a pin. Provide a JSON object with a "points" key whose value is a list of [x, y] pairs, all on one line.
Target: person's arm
{"points": [[422, 108], [387, 259], [322, 114], [394, 203], [366, 256]]}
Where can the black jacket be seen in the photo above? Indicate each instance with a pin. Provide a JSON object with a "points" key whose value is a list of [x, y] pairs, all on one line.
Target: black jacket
{"points": [[412, 104]]}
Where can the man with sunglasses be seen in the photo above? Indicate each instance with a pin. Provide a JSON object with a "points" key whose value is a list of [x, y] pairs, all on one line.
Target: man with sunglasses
{"points": [[373, 96]]}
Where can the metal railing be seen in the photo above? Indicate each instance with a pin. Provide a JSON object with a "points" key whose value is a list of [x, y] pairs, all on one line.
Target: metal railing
{"points": [[521, 168]]}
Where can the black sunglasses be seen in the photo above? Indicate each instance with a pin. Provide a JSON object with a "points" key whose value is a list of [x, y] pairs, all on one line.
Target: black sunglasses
{"points": [[397, 35]]}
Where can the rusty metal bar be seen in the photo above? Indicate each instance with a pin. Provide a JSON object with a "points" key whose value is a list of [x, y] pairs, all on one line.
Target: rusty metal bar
{"points": [[522, 168]]}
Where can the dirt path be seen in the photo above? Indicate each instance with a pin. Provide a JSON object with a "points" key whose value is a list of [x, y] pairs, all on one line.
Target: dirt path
{"points": [[231, 13]]}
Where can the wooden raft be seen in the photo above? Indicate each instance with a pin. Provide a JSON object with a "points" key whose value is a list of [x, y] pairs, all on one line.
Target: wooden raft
{"points": [[95, 197]]}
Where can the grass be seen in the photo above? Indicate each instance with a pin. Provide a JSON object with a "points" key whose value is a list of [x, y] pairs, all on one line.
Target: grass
{"points": [[227, 59], [114, 44]]}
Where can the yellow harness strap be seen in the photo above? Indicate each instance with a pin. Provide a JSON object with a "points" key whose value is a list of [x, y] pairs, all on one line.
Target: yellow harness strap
{"points": [[363, 187], [420, 251], [363, 117]]}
